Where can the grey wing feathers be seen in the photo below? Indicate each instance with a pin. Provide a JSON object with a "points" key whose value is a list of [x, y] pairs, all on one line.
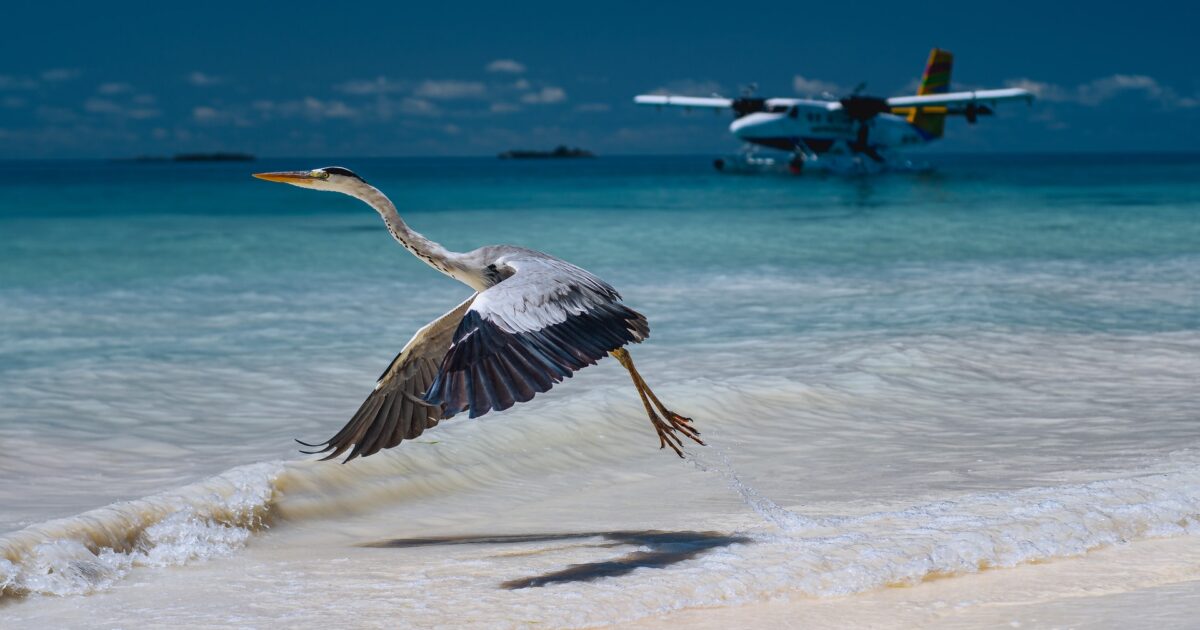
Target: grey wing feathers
{"points": [[547, 320], [396, 410]]}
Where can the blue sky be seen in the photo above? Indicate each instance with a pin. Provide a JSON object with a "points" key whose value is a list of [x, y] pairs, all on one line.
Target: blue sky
{"points": [[471, 78]]}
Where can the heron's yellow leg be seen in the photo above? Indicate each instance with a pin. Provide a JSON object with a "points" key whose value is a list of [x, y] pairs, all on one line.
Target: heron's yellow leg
{"points": [[668, 422], [683, 423]]}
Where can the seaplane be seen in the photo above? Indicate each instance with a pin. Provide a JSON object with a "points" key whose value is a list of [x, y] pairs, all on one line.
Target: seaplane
{"points": [[852, 134]]}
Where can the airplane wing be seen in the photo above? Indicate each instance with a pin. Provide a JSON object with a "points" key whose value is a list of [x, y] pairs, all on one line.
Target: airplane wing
{"points": [[683, 101], [979, 97], [740, 106]]}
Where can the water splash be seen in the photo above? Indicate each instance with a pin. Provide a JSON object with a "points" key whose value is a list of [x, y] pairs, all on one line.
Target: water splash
{"points": [[786, 520]]}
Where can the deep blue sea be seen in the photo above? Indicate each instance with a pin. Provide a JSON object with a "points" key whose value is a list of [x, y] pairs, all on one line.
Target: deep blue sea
{"points": [[1019, 327]]}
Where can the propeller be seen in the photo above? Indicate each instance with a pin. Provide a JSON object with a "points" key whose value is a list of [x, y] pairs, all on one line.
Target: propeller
{"points": [[748, 103], [862, 109], [973, 111]]}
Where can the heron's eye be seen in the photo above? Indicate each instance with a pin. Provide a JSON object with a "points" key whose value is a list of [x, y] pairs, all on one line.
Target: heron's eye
{"points": [[319, 174]]}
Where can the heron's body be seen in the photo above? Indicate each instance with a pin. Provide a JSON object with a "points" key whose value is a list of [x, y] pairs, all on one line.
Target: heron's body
{"points": [[533, 320]]}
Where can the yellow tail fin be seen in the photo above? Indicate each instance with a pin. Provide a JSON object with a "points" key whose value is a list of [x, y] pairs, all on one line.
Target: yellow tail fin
{"points": [[936, 80]]}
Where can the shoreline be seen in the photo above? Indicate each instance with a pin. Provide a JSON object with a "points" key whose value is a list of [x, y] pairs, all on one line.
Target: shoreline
{"points": [[1125, 585]]}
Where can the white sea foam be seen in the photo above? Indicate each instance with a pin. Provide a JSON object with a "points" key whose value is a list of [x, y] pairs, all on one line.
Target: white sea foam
{"points": [[89, 552], [818, 554], [983, 531], [842, 556]]}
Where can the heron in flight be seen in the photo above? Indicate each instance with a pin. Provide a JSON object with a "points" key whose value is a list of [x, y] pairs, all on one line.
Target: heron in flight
{"points": [[533, 320]]}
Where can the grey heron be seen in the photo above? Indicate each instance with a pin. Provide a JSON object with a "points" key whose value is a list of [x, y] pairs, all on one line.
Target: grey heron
{"points": [[533, 320]]}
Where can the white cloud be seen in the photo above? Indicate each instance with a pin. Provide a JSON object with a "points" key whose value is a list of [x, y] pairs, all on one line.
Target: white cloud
{"points": [[593, 107], [101, 106], [327, 109], [1098, 91], [113, 88], [689, 87], [814, 87], [309, 107], [1101, 90], [56, 115], [433, 97], [448, 89], [60, 74], [509, 66], [109, 107], [200, 79], [378, 85], [203, 113], [418, 107], [382, 108], [235, 115], [545, 96], [17, 83]]}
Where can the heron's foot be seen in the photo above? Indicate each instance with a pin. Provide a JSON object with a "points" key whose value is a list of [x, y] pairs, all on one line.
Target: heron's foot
{"points": [[666, 435], [683, 424], [668, 424]]}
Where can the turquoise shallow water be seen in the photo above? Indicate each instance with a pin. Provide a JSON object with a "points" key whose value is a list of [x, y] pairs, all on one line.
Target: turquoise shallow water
{"points": [[100, 225], [1067, 243], [1003, 323]]}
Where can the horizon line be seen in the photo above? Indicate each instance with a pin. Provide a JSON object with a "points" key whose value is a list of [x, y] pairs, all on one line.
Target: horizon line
{"points": [[493, 156]]}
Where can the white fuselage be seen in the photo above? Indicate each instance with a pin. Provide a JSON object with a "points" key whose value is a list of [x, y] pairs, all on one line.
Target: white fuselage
{"points": [[816, 127]]}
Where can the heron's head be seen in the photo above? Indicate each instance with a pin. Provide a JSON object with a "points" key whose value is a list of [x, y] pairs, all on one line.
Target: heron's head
{"points": [[332, 178]]}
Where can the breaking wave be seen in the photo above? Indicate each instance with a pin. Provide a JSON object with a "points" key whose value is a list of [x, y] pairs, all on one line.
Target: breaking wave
{"points": [[790, 552], [903, 540], [91, 551]]}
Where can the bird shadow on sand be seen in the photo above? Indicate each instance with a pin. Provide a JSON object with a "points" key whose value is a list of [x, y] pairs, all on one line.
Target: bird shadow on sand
{"points": [[664, 549]]}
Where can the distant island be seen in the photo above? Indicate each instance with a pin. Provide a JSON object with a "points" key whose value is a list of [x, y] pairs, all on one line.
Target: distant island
{"points": [[195, 157], [561, 151]]}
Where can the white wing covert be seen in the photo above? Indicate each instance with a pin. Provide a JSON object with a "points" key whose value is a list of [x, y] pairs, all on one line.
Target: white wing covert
{"points": [[538, 326]]}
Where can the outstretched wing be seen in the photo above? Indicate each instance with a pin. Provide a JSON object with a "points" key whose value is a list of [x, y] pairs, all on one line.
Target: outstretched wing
{"points": [[543, 322], [396, 410], [978, 97], [670, 100]]}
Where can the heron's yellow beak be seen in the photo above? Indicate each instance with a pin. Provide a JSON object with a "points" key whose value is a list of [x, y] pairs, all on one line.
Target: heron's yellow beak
{"points": [[300, 178]]}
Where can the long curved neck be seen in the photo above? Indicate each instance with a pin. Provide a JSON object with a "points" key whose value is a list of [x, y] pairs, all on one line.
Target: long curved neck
{"points": [[434, 255]]}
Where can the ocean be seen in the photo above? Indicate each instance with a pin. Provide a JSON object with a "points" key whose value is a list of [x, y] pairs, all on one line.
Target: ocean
{"points": [[962, 398]]}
